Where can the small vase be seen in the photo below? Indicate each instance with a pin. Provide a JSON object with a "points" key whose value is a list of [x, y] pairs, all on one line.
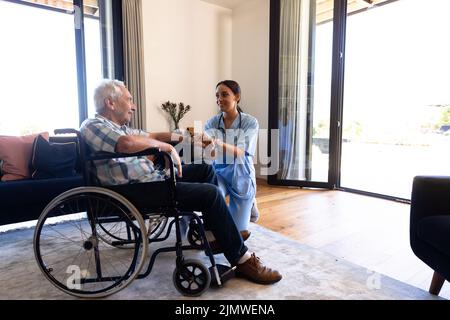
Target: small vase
{"points": [[177, 130]]}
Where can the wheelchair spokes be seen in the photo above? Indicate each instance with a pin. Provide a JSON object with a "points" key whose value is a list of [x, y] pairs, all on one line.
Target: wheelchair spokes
{"points": [[117, 233], [155, 223], [78, 251]]}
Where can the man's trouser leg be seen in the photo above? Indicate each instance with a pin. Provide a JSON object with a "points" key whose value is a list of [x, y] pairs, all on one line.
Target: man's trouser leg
{"points": [[199, 173], [208, 199]]}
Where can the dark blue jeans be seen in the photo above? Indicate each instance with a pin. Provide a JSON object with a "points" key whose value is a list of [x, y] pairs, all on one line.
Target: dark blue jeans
{"points": [[196, 191]]}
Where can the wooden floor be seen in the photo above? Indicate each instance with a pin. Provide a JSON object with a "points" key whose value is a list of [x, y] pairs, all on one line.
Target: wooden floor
{"points": [[367, 231]]}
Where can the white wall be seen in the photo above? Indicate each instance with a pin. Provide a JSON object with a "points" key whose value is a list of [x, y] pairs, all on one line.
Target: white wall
{"points": [[190, 45], [187, 50], [250, 62]]}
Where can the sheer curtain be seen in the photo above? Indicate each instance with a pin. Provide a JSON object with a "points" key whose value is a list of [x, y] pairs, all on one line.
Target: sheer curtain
{"points": [[134, 58], [288, 91]]}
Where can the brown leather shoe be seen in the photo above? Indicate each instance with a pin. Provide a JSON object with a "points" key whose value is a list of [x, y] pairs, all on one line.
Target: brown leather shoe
{"points": [[216, 247], [245, 234], [255, 271]]}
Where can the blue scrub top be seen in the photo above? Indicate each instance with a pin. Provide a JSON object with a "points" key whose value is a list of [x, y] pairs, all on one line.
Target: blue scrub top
{"points": [[238, 172]]}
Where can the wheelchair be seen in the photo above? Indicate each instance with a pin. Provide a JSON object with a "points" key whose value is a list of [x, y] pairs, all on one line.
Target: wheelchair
{"points": [[92, 241]]}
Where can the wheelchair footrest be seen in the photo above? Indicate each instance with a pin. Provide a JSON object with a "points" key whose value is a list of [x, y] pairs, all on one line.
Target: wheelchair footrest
{"points": [[225, 274]]}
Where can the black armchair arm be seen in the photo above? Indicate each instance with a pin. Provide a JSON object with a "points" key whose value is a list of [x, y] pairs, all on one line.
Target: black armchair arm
{"points": [[430, 196], [429, 237]]}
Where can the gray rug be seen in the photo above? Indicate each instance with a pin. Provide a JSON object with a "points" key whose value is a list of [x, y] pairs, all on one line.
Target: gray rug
{"points": [[307, 274]]}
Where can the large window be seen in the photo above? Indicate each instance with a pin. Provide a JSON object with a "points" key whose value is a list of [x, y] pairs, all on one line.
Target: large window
{"points": [[42, 58], [396, 117]]}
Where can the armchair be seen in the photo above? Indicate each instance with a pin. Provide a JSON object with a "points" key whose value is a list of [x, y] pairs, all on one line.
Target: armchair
{"points": [[430, 226]]}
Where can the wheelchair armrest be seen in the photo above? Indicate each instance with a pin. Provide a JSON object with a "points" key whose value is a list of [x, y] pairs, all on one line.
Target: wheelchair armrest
{"points": [[110, 155], [84, 156], [146, 152]]}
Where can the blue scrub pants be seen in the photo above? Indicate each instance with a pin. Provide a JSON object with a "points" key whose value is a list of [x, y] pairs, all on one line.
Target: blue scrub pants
{"points": [[239, 207]]}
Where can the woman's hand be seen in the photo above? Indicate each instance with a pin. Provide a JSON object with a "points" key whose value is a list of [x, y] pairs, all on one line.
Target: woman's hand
{"points": [[203, 139]]}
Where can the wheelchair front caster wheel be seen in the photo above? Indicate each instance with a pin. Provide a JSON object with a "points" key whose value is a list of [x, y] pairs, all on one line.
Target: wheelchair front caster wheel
{"points": [[192, 278], [193, 235]]}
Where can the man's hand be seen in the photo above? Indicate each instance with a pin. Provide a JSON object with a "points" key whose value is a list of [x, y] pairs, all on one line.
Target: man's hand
{"points": [[175, 157], [210, 150]]}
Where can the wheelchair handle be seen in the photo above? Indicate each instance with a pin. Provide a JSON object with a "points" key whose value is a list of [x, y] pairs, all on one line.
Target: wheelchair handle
{"points": [[66, 131]]}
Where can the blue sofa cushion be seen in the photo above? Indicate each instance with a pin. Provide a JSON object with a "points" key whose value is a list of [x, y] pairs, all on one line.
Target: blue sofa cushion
{"points": [[435, 231], [53, 160], [24, 200], [21, 193]]}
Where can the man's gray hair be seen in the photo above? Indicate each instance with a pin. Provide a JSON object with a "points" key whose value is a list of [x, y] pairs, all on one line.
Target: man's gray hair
{"points": [[107, 89]]}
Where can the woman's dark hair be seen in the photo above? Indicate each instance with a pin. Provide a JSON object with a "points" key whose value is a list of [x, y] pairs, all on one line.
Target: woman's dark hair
{"points": [[233, 86]]}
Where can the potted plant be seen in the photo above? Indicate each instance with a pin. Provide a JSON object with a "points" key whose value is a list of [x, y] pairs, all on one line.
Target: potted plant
{"points": [[176, 112]]}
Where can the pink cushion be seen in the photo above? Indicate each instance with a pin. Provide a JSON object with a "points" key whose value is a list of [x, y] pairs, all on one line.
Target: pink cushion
{"points": [[16, 154]]}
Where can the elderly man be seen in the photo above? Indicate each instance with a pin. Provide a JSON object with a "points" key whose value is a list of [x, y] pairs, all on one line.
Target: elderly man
{"points": [[197, 184]]}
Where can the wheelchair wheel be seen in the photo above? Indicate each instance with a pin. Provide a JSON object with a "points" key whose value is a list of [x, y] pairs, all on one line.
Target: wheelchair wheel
{"points": [[192, 279], [193, 235], [69, 243], [154, 224]]}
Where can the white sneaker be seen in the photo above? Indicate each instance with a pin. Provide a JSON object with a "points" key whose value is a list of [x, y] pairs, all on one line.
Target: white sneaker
{"points": [[254, 213]]}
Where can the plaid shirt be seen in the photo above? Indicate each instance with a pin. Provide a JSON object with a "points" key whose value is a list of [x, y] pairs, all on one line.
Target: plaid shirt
{"points": [[102, 135]]}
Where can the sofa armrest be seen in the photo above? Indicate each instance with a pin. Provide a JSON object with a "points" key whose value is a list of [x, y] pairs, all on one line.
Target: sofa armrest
{"points": [[430, 196]]}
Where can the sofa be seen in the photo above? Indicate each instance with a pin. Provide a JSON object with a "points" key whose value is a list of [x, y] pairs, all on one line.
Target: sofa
{"points": [[23, 200], [430, 226]]}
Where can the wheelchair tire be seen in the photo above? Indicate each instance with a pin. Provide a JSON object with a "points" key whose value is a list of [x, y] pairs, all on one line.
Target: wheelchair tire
{"points": [[69, 244], [193, 279]]}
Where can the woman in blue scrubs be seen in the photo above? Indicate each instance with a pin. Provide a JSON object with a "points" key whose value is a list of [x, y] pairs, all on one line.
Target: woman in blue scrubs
{"points": [[234, 135]]}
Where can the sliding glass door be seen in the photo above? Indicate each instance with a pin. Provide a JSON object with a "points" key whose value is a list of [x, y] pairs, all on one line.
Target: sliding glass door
{"points": [[359, 94], [396, 111]]}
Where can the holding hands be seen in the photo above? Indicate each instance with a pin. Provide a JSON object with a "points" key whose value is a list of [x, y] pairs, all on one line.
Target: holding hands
{"points": [[205, 142]]}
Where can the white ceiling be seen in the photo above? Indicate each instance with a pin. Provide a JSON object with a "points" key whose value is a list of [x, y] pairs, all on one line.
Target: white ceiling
{"points": [[230, 4]]}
